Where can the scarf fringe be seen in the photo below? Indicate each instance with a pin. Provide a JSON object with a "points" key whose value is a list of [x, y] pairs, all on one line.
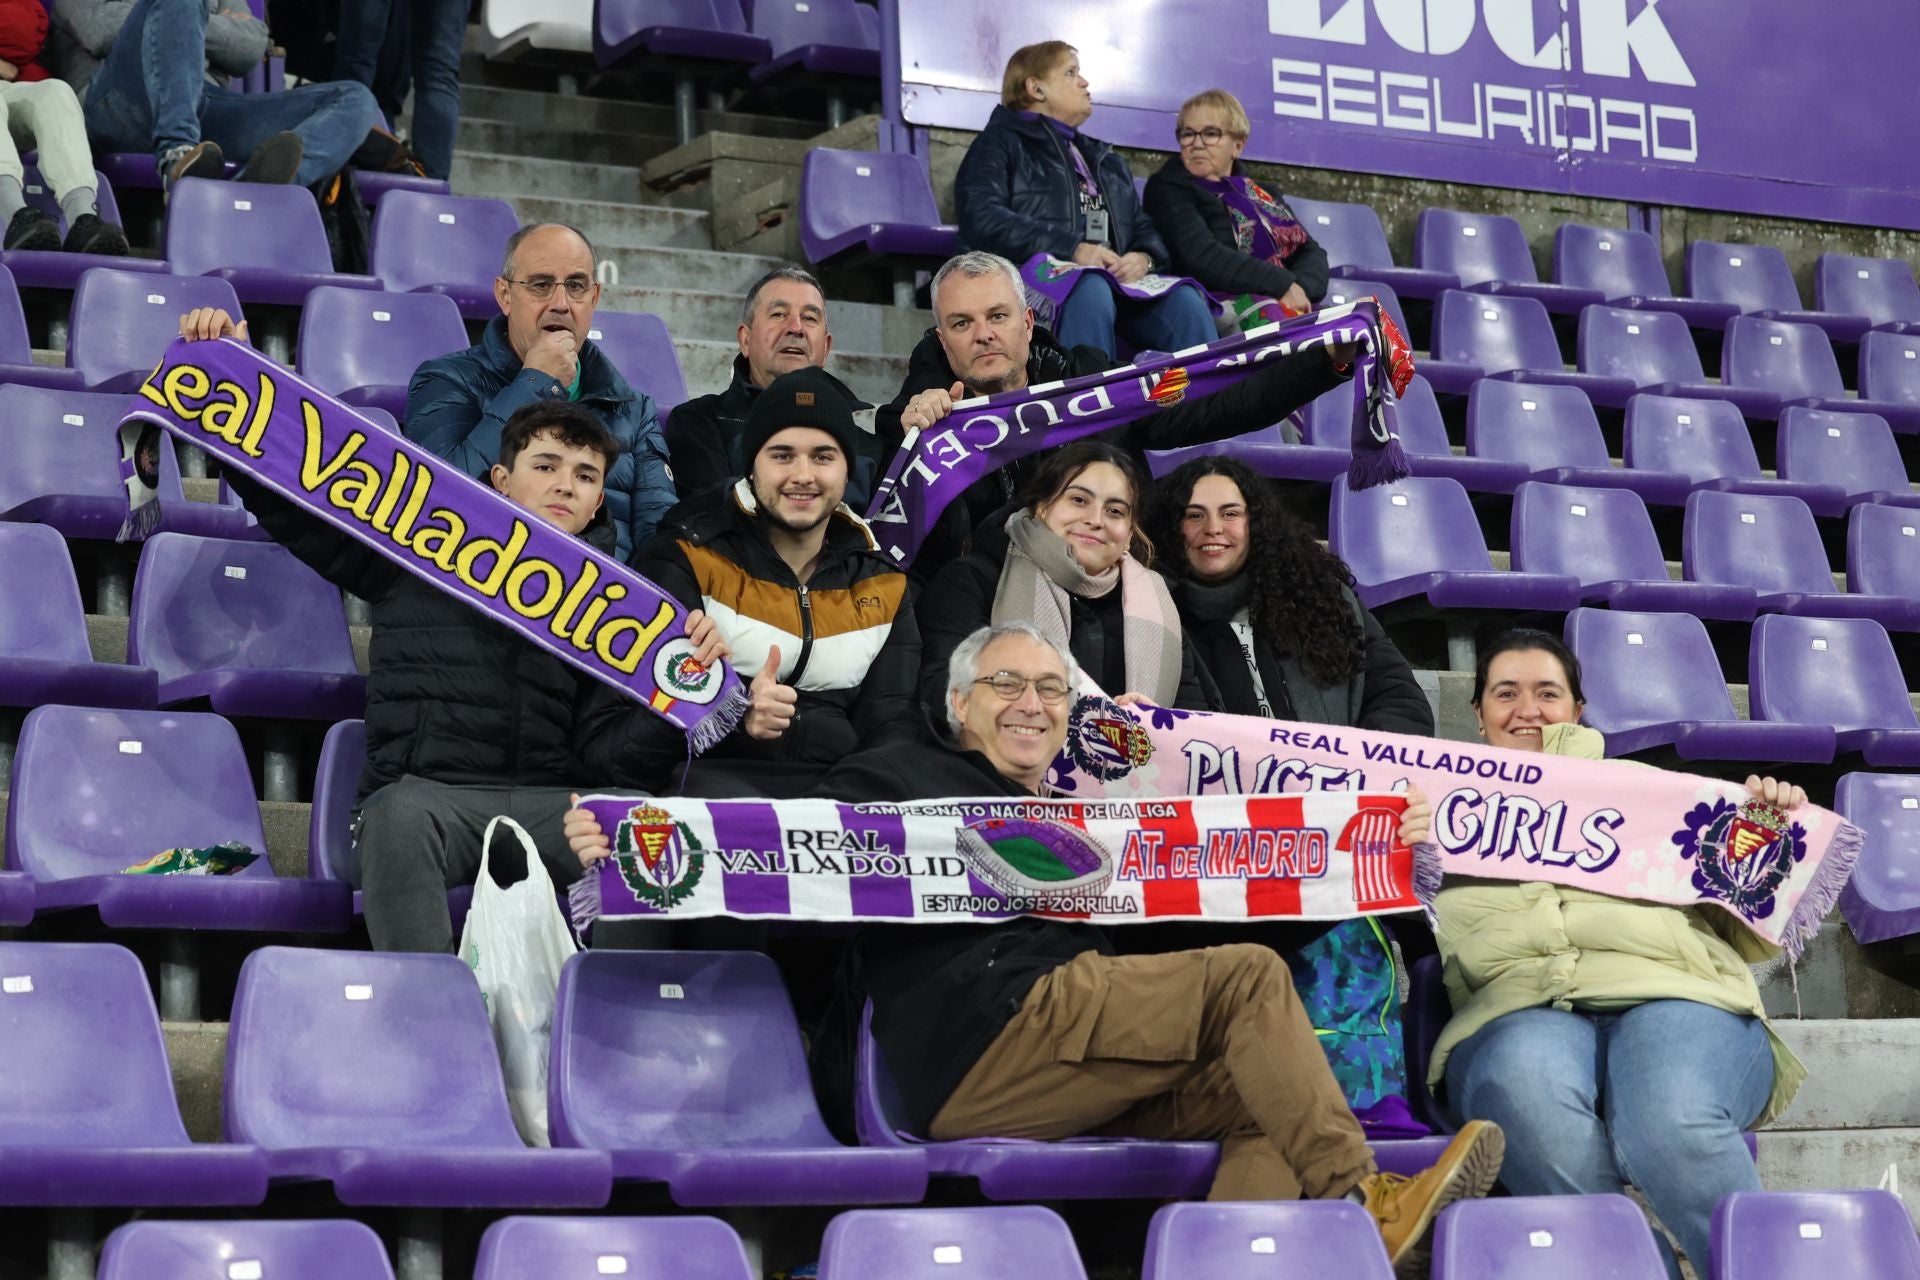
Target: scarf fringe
{"points": [[1428, 872], [1378, 466], [583, 901], [1822, 895], [719, 722], [142, 522]]}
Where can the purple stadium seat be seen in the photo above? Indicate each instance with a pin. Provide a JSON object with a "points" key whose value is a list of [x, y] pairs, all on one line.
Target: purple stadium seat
{"points": [[1883, 550], [1356, 245], [1423, 434], [1853, 452], [252, 532], [1605, 539], [1881, 289], [1882, 898], [819, 37], [16, 897], [648, 1051], [429, 1128], [264, 240], [154, 780], [1624, 267], [374, 185], [1757, 279], [707, 30], [88, 1115], [1489, 254], [443, 244], [363, 347], [1813, 1235], [1890, 378], [1419, 537], [1545, 1238], [1707, 444], [1839, 672], [245, 627], [1652, 680], [122, 320], [44, 654], [691, 1248], [877, 201], [1553, 432], [1654, 351], [1510, 338], [16, 349], [1248, 1242], [1343, 289], [337, 1250], [1011, 1242], [54, 268], [1787, 361], [1771, 544], [642, 350]]}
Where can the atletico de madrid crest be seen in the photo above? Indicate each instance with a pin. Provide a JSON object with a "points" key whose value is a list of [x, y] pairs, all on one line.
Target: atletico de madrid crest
{"points": [[658, 856], [1741, 854], [1103, 739]]}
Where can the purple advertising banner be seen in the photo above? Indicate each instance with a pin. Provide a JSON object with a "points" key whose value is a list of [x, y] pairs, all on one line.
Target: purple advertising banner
{"points": [[1767, 106]]}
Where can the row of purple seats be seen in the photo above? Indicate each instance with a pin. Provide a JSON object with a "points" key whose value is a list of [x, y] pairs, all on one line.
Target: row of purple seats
{"points": [[1882, 897], [134, 170], [773, 40], [53, 268]]}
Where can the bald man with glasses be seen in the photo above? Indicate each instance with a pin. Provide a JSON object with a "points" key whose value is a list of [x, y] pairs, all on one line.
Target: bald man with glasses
{"points": [[537, 349]]}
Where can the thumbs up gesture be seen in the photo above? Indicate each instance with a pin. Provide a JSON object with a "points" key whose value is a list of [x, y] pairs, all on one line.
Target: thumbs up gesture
{"points": [[774, 704]]}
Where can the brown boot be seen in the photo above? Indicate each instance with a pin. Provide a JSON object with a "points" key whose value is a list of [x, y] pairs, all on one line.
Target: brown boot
{"points": [[1405, 1208]]}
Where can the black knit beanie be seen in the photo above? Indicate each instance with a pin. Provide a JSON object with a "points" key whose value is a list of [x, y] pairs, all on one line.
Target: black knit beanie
{"points": [[804, 398]]}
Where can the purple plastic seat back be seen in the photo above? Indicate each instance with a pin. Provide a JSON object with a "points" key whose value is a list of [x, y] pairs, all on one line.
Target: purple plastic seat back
{"points": [[1881, 289], [336, 781], [340, 1249], [1648, 348], [616, 23], [1477, 247], [844, 195], [1703, 440], [123, 320], [1421, 426], [1794, 361], [1855, 451], [1594, 535], [359, 338], [1646, 668], [1753, 277], [642, 350], [690, 1248], [211, 225], [80, 1050], [96, 791], [1837, 671], [869, 24], [1422, 524], [360, 1049], [634, 1070], [1765, 541], [44, 617], [1012, 1242], [15, 346], [1497, 332], [1246, 1241], [1890, 368], [788, 25], [1813, 1235], [421, 240], [1350, 233], [41, 197], [66, 444], [1353, 288], [1616, 263], [1883, 551], [1545, 1238], [1882, 899], [1541, 426]]}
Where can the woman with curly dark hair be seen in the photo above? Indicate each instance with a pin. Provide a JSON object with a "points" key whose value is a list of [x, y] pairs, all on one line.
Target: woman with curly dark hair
{"points": [[1279, 633]]}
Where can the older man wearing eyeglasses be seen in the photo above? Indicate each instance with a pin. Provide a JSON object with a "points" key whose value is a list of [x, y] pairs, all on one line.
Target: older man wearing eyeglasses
{"points": [[537, 349]]}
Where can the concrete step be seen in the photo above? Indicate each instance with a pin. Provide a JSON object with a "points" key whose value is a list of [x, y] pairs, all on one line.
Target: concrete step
{"points": [[575, 112], [617, 223], [486, 173], [1860, 1074], [1843, 1160], [197, 1053], [698, 270], [715, 317], [509, 137], [708, 368]]}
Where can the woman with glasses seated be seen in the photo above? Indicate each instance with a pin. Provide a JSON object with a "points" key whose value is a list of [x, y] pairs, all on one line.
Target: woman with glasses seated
{"points": [[1071, 559], [1225, 230]]}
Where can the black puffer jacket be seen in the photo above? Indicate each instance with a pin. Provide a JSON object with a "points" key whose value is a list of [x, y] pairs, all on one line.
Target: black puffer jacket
{"points": [[455, 697], [1199, 235]]}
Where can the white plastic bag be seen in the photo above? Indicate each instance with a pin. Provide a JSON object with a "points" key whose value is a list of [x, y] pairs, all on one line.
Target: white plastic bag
{"points": [[515, 941]]}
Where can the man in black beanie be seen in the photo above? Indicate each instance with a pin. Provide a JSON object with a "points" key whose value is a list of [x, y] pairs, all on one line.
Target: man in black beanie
{"points": [[812, 611]]}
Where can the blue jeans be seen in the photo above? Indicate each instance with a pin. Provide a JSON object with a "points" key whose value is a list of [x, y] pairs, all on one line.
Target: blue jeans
{"points": [[151, 94], [432, 30], [1093, 313], [1657, 1097]]}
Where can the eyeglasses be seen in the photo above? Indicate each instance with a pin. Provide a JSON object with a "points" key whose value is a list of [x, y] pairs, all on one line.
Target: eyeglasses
{"points": [[540, 288], [1210, 135], [1011, 684]]}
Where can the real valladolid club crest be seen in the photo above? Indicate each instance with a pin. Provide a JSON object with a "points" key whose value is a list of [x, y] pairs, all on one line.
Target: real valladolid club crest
{"points": [[1741, 854], [658, 856], [1103, 739], [1169, 387], [676, 671]]}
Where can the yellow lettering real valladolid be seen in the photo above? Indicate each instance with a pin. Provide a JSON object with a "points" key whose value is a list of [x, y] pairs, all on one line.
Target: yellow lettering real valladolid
{"points": [[392, 495]]}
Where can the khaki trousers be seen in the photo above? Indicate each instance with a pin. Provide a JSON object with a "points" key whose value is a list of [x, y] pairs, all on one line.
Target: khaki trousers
{"points": [[1210, 1044]]}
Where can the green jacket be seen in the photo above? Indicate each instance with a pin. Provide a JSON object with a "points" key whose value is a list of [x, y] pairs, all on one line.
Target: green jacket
{"points": [[1508, 946]]}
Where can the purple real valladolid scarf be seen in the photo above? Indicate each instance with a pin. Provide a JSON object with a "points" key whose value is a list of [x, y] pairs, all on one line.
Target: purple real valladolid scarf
{"points": [[439, 524], [933, 468]]}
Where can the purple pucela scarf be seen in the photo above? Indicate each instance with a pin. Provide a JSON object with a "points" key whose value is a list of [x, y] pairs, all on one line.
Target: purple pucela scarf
{"points": [[933, 468], [439, 524]]}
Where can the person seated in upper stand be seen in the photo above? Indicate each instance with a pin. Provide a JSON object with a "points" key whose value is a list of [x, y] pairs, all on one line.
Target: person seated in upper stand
{"points": [[537, 349], [44, 115], [1071, 560], [984, 342], [465, 719], [782, 328], [1280, 634], [1031, 183], [1033, 1028], [815, 616], [1232, 234], [152, 75]]}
